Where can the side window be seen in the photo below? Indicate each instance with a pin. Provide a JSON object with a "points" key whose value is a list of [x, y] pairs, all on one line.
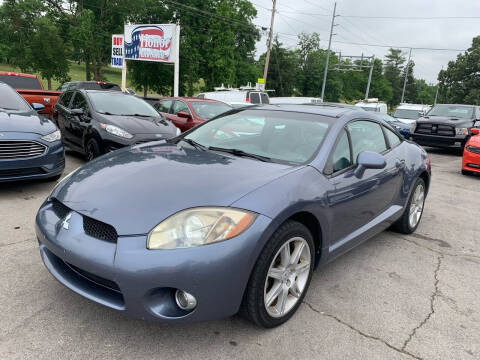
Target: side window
{"points": [[366, 136], [265, 98], [65, 98], [79, 102], [163, 106], [341, 155], [255, 98], [393, 139], [179, 106]]}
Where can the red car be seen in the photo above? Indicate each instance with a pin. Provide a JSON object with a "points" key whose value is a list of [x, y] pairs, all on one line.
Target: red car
{"points": [[186, 113], [471, 154]]}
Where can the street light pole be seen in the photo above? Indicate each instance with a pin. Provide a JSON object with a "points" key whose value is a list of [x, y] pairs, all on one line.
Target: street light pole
{"points": [[328, 52], [270, 42], [406, 74]]}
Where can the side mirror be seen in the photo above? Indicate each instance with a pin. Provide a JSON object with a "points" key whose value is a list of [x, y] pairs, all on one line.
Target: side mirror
{"points": [[76, 111], [474, 131], [38, 107], [184, 114], [369, 160]]}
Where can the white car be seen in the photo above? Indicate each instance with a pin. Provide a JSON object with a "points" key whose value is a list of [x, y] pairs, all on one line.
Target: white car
{"points": [[237, 95], [373, 105], [409, 113], [297, 100]]}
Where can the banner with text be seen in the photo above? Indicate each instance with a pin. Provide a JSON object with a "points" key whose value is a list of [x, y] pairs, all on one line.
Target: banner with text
{"points": [[150, 42], [117, 51]]}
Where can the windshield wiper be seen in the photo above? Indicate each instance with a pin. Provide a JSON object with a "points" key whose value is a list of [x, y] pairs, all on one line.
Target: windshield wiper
{"points": [[105, 113], [194, 144], [238, 152], [141, 115]]}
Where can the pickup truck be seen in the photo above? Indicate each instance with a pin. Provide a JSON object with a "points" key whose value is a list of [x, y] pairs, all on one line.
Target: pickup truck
{"points": [[31, 89]]}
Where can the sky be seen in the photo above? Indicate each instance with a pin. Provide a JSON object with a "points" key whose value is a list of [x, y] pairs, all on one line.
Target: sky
{"points": [[294, 17]]}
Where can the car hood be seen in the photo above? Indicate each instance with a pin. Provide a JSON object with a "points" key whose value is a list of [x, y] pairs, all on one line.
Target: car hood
{"points": [[139, 124], [25, 122], [474, 141], [446, 121], [136, 188]]}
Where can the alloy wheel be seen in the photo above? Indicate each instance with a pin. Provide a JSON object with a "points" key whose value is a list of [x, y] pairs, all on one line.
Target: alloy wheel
{"points": [[416, 206], [287, 277]]}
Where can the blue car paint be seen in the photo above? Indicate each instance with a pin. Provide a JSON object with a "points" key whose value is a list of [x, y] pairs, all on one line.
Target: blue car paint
{"points": [[31, 126], [136, 188]]}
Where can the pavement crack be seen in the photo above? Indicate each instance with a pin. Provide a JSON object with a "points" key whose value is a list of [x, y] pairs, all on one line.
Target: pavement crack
{"points": [[16, 242], [433, 296], [361, 333]]}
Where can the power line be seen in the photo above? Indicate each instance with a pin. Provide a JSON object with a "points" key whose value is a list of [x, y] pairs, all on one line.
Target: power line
{"points": [[412, 17], [399, 47]]}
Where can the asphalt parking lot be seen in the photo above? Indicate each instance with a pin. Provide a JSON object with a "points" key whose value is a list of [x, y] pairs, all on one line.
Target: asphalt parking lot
{"points": [[394, 297]]}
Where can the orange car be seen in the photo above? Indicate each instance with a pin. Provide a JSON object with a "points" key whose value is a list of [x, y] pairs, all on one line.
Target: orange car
{"points": [[471, 154]]}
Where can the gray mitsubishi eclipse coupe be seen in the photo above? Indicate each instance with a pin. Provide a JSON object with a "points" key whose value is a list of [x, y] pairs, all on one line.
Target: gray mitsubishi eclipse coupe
{"points": [[233, 215]]}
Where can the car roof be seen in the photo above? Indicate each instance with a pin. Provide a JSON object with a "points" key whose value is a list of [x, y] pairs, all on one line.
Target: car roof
{"points": [[190, 99], [412, 106], [316, 109], [17, 74], [460, 105]]}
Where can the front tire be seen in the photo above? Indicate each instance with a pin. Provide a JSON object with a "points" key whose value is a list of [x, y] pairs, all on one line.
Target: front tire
{"points": [[281, 276], [412, 215], [466, 172], [92, 149]]}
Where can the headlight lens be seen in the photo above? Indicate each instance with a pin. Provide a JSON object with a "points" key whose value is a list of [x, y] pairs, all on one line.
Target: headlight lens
{"points": [[54, 136], [461, 131], [114, 130], [178, 132], [199, 226], [413, 126]]}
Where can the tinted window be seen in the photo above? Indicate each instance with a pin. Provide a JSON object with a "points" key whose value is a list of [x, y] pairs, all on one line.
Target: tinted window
{"points": [[11, 100], [118, 103], [341, 155], [366, 136], [179, 106], [209, 109], [164, 106], [265, 98], [79, 102], [393, 139], [255, 98], [20, 82], [98, 86], [281, 136], [462, 112], [65, 98]]}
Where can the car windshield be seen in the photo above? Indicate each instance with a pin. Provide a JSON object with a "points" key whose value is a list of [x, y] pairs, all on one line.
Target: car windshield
{"points": [[407, 114], [461, 112], [117, 103], [369, 108], [21, 82], [10, 100], [208, 110], [288, 137]]}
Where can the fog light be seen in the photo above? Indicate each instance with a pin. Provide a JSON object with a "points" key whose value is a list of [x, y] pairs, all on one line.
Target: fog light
{"points": [[184, 300]]}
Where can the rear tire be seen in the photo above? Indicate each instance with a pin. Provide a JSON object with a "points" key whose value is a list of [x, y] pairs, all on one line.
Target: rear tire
{"points": [[412, 215], [92, 149], [281, 276]]}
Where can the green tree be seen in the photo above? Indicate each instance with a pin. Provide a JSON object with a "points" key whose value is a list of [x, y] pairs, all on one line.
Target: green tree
{"points": [[48, 53], [411, 91], [393, 69]]}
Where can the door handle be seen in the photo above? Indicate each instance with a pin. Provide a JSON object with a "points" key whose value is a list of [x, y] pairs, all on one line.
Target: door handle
{"points": [[400, 164]]}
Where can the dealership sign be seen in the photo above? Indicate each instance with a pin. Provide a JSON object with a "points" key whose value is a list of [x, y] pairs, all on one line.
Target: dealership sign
{"points": [[117, 51], [150, 43]]}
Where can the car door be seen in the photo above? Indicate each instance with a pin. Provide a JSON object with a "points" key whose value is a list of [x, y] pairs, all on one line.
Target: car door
{"points": [[358, 203], [181, 122], [164, 107], [61, 114], [79, 122]]}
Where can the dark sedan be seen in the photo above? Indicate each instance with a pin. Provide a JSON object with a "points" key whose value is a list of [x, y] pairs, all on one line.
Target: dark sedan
{"points": [[95, 122], [30, 145], [235, 214], [402, 128]]}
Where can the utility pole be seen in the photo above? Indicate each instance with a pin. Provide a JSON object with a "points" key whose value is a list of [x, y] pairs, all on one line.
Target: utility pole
{"points": [[270, 43], [406, 74], [436, 96], [328, 51], [369, 77]]}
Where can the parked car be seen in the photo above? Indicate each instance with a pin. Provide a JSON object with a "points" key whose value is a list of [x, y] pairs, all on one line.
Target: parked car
{"points": [[341, 105], [401, 127], [94, 122], [31, 89], [446, 125], [237, 95], [30, 145], [471, 154], [409, 113], [186, 113], [205, 224], [89, 85], [373, 105]]}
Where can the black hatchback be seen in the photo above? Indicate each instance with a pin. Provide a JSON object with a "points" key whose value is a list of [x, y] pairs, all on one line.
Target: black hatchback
{"points": [[96, 122]]}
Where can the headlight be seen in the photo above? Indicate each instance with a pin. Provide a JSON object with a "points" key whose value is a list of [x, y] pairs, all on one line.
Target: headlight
{"points": [[116, 131], [461, 131], [413, 126], [178, 132], [54, 136], [199, 226]]}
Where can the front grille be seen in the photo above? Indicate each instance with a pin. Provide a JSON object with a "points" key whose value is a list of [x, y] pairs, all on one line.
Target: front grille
{"points": [[14, 149], [94, 278], [99, 230], [435, 129], [21, 172], [59, 209], [473, 149]]}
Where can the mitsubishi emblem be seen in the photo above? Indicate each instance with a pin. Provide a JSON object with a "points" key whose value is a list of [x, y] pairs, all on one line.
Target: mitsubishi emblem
{"points": [[65, 222], [46, 100]]}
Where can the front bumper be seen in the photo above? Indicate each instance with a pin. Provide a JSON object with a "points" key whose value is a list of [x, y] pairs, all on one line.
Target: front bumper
{"points": [[439, 141], [471, 161], [111, 142], [50, 164], [128, 277]]}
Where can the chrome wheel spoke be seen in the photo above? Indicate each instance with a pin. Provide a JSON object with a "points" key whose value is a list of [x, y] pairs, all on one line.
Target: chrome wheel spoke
{"points": [[282, 300], [302, 267], [273, 294], [285, 256], [294, 290], [275, 273], [297, 252]]}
